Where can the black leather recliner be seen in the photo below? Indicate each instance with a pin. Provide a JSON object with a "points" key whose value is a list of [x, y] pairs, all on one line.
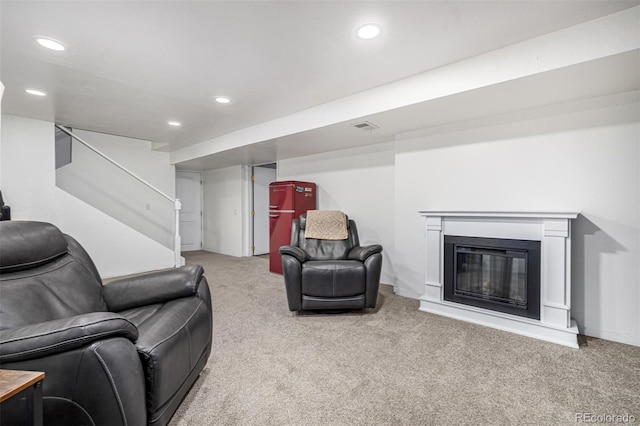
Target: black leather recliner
{"points": [[121, 354], [5, 211], [330, 274]]}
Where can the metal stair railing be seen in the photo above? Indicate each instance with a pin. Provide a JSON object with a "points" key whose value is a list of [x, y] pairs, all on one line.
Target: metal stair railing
{"points": [[176, 202]]}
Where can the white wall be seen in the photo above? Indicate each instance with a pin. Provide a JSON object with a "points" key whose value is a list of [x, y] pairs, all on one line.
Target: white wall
{"points": [[224, 193], [28, 185], [359, 182], [1, 94], [584, 157], [94, 180], [136, 155]]}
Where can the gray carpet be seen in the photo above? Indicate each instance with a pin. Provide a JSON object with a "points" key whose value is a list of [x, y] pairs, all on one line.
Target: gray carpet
{"points": [[391, 366]]}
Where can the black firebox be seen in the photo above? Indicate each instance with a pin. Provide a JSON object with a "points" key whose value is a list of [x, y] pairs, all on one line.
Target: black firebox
{"points": [[493, 273]]}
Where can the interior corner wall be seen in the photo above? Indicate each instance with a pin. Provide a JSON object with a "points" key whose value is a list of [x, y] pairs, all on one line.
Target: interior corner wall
{"points": [[579, 157], [223, 203], [29, 187], [359, 182]]}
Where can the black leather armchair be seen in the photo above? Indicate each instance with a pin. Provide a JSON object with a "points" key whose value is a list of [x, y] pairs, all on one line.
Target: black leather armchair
{"points": [[121, 354], [330, 274], [5, 211]]}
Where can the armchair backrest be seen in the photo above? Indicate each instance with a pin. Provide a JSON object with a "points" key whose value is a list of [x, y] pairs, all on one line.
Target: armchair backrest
{"points": [[323, 249], [44, 275]]}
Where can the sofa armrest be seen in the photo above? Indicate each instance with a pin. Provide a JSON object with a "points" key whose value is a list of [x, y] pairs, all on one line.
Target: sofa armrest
{"points": [[42, 339], [294, 251], [151, 288], [362, 253]]}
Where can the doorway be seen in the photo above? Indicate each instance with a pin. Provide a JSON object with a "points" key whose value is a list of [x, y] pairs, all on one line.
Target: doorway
{"points": [[261, 177], [189, 192]]}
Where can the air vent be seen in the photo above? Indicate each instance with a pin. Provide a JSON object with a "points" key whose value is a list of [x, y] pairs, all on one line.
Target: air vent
{"points": [[365, 125]]}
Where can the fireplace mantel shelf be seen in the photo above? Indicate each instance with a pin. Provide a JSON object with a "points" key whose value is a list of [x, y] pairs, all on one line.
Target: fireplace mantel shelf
{"points": [[502, 214], [552, 229]]}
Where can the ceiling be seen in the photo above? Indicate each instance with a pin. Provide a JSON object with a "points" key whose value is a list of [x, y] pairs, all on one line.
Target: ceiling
{"points": [[131, 66]]}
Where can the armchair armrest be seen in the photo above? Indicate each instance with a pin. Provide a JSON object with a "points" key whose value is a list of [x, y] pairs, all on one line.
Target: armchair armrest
{"points": [[155, 287], [362, 252], [38, 340], [294, 251]]}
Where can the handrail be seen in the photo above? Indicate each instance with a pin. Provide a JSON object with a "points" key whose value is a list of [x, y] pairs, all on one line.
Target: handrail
{"points": [[121, 167], [176, 202]]}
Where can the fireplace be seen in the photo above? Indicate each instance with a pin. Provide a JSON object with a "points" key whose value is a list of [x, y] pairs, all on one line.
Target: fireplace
{"points": [[493, 273], [506, 270]]}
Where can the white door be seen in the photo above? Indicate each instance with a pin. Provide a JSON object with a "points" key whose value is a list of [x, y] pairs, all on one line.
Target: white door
{"points": [[189, 192], [262, 177]]}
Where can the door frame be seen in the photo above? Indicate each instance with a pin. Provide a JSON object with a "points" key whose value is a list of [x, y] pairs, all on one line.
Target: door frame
{"points": [[201, 195], [252, 201], [247, 206]]}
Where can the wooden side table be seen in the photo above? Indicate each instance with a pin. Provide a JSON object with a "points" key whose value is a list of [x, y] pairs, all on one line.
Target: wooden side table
{"points": [[14, 382]]}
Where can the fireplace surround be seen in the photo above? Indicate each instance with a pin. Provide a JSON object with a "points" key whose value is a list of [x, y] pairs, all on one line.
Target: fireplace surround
{"points": [[474, 233]]}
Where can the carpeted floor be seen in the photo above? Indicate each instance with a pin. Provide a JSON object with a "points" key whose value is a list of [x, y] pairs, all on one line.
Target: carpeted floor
{"points": [[392, 366]]}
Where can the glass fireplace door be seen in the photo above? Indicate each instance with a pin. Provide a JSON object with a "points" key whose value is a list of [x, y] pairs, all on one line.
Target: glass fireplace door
{"points": [[499, 275], [493, 273]]}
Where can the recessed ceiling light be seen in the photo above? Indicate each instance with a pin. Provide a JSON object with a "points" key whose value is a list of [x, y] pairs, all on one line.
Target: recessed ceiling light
{"points": [[50, 43], [369, 31], [222, 100], [174, 123], [35, 92]]}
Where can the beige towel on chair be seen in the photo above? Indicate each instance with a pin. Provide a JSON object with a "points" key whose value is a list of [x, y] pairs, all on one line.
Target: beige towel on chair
{"points": [[326, 225]]}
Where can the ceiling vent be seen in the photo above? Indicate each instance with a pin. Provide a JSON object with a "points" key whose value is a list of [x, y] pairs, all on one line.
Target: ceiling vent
{"points": [[365, 125]]}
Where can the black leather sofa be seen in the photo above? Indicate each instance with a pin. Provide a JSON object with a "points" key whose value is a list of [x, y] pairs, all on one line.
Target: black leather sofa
{"points": [[330, 274], [125, 353]]}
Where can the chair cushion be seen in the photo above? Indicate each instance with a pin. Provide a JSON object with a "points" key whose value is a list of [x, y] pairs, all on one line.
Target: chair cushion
{"points": [[333, 278], [62, 288], [323, 249], [27, 245], [326, 249]]}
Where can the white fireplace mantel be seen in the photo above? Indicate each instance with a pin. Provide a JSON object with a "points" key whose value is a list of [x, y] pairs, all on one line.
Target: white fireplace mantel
{"points": [[552, 229]]}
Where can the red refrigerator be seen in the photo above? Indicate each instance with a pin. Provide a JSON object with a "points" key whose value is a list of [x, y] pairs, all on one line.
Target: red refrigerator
{"points": [[287, 200]]}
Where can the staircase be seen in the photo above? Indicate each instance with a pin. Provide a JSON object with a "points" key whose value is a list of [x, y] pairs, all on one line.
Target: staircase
{"points": [[94, 177]]}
